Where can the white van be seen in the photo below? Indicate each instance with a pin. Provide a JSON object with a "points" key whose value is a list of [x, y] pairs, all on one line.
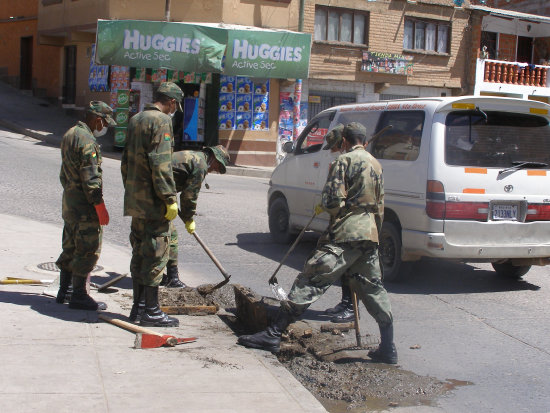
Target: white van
{"points": [[465, 178]]}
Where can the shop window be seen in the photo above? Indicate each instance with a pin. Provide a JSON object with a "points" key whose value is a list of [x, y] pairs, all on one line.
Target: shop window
{"points": [[340, 25], [426, 35]]}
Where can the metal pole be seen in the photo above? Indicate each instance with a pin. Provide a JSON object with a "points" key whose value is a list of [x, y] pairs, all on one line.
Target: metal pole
{"points": [[301, 16], [167, 11]]}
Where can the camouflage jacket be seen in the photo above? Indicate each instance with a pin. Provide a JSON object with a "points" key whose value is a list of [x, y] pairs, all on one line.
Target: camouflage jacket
{"points": [[80, 174], [146, 165], [354, 197], [190, 169]]}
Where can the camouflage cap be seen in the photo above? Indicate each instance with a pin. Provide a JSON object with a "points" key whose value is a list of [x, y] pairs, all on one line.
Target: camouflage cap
{"points": [[221, 155], [103, 110], [334, 137], [355, 131], [173, 91]]}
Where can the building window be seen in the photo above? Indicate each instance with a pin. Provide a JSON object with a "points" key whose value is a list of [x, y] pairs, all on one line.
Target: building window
{"points": [[426, 35], [489, 40], [340, 25]]}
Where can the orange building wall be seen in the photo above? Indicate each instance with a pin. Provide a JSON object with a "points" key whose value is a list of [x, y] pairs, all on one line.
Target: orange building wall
{"points": [[46, 59]]}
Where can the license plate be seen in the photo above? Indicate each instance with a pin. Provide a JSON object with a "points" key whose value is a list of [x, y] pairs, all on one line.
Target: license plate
{"points": [[505, 212]]}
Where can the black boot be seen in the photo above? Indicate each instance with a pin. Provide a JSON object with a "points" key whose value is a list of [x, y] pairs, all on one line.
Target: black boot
{"points": [[346, 316], [171, 279], [65, 289], [270, 338], [342, 305], [80, 300], [153, 315], [138, 308], [386, 352]]}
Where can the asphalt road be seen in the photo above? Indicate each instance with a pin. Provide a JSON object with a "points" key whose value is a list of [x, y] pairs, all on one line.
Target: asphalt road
{"points": [[486, 335]]}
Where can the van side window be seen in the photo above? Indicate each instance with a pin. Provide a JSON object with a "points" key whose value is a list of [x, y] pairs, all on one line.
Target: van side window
{"points": [[398, 135], [367, 119], [495, 139], [311, 138]]}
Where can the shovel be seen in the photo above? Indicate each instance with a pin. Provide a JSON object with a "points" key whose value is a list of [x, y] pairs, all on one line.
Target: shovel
{"points": [[279, 292], [146, 338], [207, 289]]}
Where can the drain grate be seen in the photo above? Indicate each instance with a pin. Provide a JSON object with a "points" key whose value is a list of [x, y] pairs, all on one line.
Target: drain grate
{"points": [[51, 266]]}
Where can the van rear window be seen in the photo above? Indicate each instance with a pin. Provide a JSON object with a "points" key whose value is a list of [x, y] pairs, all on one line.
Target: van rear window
{"points": [[495, 139]]}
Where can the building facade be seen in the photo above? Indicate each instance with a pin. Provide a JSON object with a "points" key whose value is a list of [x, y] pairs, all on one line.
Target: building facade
{"points": [[25, 63], [360, 51], [511, 53]]}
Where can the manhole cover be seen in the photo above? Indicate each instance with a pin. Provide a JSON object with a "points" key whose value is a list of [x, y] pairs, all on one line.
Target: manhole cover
{"points": [[51, 266]]}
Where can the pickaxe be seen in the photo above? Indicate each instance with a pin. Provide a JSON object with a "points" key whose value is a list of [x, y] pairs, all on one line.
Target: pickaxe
{"points": [[146, 338]]}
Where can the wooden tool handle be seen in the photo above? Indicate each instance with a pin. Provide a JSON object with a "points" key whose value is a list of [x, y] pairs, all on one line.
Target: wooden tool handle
{"points": [[211, 255], [21, 281], [273, 279], [127, 326], [356, 323]]}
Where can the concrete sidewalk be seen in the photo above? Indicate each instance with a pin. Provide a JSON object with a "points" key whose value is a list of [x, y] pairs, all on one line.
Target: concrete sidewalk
{"points": [[38, 119], [61, 360]]}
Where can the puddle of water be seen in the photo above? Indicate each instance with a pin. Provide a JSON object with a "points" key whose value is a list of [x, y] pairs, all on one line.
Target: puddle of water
{"points": [[374, 404]]}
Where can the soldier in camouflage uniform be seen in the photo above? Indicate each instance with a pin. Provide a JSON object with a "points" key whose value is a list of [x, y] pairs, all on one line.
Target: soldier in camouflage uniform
{"points": [[150, 199], [354, 197], [190, 169], [343, 311], [84, 211]]}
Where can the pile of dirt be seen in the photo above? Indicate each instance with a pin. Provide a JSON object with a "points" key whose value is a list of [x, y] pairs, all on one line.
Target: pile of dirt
{"points": [[325, 359], [223, 297]]}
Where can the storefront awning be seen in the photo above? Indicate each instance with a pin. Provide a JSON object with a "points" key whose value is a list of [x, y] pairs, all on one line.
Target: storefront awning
{"points": [[216, 48]]}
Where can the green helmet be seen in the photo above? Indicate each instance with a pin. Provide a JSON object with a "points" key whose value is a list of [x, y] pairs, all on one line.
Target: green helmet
{"points": [[103, 110], [221, 155], [334, 137], [171, 90], [355, 130]]}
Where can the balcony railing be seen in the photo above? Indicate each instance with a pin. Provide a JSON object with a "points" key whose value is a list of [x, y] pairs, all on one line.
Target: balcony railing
{"points": [[515, 73], [512, 78]]}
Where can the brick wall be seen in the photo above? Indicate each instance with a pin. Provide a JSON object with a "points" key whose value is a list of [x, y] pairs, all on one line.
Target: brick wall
{"points": [[341, 61], [507, 47]]}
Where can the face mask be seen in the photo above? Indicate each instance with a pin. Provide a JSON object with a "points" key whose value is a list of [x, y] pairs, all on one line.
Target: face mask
{"points": [[99, 133], [172, 115]]}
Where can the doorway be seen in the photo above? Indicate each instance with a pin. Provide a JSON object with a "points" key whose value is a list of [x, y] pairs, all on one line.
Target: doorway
{"points": [[25, 67], [525, 49], [69, 76]]}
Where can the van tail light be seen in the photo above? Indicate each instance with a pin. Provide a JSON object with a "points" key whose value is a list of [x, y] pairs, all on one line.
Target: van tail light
{"points": [[538, 212], [435, 200], [437, 208], [476, 211]]}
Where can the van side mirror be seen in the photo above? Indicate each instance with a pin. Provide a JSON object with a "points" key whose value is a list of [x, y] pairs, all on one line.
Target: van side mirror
{"points": [[288, 147]]}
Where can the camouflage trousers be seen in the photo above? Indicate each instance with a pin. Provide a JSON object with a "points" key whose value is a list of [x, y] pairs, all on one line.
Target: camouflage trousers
{"points": [[356, 264], [81, 245], [150, 240], [173, 253]]}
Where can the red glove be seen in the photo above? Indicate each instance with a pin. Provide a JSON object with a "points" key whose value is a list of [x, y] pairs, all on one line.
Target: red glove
{"points": [[102, 213]]}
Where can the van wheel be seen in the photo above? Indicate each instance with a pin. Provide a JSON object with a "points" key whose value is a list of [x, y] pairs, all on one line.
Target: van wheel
{"points": [[390, 254], [506, 269], [279, 225]]}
